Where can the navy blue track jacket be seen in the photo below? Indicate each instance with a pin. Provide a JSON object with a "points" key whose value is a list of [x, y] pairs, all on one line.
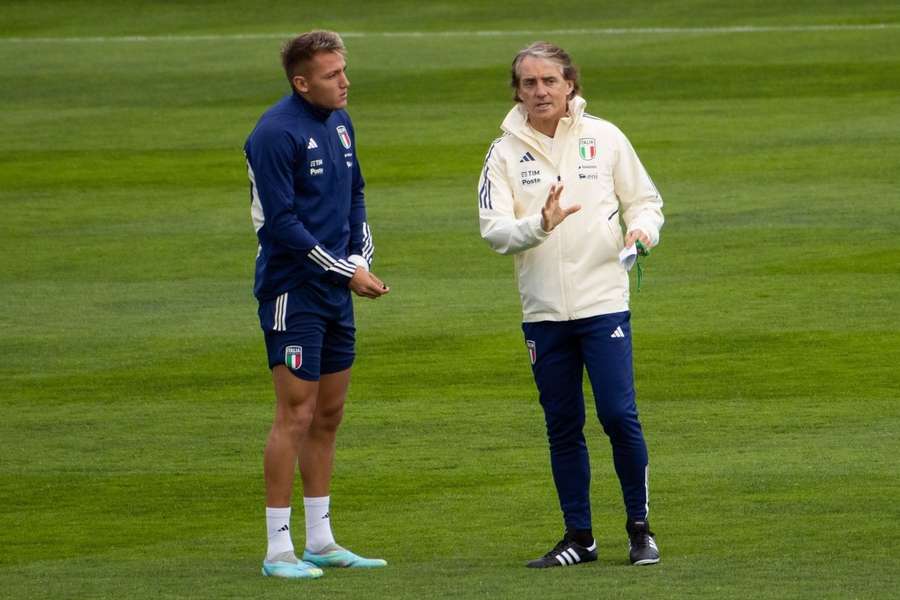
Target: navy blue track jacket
{"points": [[306, 197]]}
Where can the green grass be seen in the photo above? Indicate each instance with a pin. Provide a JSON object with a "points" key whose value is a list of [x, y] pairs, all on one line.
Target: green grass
{"points": [[134, 395]]}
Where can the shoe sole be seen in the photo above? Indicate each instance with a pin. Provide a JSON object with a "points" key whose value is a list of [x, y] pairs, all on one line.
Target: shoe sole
{"points": [[646, 561], [273, 575], [359, 563]]}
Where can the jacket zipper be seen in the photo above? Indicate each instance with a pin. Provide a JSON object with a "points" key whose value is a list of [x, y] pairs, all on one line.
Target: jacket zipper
{"points": [[564, 280]]}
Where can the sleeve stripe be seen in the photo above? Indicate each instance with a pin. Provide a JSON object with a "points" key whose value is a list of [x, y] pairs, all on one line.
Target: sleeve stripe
{"points": [[368, 245], [484, 194], [321, 257], [343, 267]]}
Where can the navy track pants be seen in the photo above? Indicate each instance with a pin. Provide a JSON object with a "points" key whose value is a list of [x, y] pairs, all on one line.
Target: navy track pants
{"points": [[560, 351]]}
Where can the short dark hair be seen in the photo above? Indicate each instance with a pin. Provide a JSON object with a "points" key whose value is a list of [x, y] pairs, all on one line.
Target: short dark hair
{"points": [[298, 51], [551, 52]]}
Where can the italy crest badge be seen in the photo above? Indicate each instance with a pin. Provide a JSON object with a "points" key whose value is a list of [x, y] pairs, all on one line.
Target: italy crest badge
{"points": [[293, 357], [345, 137], [587, 148]]}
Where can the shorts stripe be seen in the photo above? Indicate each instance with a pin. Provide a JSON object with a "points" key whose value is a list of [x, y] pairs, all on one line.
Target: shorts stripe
{"points": [[280, 312]]}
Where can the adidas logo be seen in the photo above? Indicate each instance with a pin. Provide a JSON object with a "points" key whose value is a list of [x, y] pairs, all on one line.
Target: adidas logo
{"points": [[327, 515], [527, 157], [312, 144], [618, 333], [284, 528]]}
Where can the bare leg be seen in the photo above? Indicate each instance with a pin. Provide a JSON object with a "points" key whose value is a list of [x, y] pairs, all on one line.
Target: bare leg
{"points": [[317, 447], [295, 405]]}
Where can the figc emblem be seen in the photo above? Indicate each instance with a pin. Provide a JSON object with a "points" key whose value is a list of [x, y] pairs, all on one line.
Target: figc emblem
{"points": [[345, 137], [587, 148], [293, 357]]}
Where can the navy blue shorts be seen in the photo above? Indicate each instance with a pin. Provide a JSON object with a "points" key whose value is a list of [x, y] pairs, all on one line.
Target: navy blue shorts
{"points": [[310, 330]]}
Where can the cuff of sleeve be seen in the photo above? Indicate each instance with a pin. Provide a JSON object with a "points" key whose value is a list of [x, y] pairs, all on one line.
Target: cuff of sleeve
{"points": [[359, 261], [534, 222], [341, 272]]}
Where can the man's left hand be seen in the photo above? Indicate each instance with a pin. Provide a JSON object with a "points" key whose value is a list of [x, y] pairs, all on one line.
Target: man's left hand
{"points": [[635, 235]]}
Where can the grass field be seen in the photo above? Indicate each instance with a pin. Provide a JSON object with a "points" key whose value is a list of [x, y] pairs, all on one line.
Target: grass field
{"points": [[134, 395]]}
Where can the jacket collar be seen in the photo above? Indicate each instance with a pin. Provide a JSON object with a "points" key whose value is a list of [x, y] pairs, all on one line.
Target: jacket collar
{"points": [[317, 112], [516, 121]]}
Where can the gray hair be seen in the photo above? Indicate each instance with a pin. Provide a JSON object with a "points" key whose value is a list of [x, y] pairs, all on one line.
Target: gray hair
{"points": [[546, 51]]}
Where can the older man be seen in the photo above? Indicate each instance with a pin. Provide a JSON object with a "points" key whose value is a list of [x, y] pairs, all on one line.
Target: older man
{"points": [[315, 246], [552, 192]]}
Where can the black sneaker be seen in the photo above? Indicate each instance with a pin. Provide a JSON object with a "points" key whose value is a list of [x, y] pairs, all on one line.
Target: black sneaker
{"points": [[565, 553], [642, 548]]}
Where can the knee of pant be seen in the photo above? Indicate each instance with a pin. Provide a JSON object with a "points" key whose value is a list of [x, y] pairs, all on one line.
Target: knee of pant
{"points": [[618, 418], [561, 428]]}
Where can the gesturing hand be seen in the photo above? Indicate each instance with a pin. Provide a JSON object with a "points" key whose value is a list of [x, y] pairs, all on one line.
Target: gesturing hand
{"points": [[551, 214], [365, 284]]}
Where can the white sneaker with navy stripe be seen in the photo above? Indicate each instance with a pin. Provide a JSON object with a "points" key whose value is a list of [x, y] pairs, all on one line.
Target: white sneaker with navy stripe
{"points": [[565, 554]]}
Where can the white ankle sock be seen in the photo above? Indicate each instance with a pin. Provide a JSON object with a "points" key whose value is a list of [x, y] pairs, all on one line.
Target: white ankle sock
{"points": [[278, 524], [318, 523]]}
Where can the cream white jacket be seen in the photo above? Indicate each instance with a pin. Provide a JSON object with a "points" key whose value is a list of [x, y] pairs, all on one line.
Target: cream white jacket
{"points": [[574, 271]]}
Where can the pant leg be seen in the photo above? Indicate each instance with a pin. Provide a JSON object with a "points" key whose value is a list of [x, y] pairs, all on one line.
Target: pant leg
{"points": [[558, 371], [606, 345]]}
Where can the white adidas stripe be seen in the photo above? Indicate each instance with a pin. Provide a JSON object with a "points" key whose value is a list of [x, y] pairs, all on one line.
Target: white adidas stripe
{"points": [[344, 268], [562, 560], [368, 246], [737, 29], [321, 258], [646, 491], [280, 313]]}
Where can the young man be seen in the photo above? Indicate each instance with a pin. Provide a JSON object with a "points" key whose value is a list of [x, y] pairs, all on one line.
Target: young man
{"points": [[552, 191], [314, 248]]}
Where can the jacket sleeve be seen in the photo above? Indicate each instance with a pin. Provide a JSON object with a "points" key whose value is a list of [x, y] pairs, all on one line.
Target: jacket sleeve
{"points": [[638, 196], [270, 165], [499, 226], [362, 250]]}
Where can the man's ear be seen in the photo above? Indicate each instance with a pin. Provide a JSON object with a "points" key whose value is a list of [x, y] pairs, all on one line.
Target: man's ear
{"points": [[300, 83]]}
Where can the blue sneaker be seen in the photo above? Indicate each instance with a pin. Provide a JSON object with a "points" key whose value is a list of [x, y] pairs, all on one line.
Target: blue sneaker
{"points": [[287, 566], [335, 556]]}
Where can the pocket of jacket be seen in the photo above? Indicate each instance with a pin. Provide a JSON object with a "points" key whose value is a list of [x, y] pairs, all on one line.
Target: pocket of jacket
{"points": [[615, 229]]}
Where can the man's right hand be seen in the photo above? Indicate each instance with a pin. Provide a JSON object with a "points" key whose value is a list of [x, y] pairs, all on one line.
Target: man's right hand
{"points": [[551, 214], [365, 284]]}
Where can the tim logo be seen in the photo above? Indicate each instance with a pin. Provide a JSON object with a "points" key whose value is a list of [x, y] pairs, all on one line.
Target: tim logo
{"points": [[532, 350], [293, 357]]}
